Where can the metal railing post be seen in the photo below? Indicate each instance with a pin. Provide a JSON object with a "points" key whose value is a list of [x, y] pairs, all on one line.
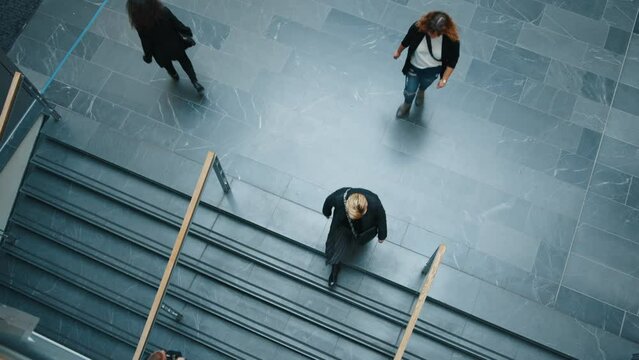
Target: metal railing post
{"points": [[219, 172]]}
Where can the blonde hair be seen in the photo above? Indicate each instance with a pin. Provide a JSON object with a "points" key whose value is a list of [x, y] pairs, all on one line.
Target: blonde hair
{"points": [[356, 206]]}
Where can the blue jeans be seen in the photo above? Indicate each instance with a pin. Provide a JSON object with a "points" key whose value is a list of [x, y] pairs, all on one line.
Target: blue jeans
{"points": [[419, 78]]}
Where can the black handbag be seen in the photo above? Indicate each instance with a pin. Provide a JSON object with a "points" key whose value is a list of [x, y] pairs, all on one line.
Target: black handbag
{"points": [[366, 235], [187, 41]]}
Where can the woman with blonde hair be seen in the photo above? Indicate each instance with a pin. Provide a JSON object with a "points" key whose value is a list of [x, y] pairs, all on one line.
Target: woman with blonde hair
{"points": [[433, 50], [358, 216]]}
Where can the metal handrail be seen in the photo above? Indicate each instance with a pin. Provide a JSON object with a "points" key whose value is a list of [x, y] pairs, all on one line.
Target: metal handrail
{"points": [[431, 270], [10, 100], [175, 253]]}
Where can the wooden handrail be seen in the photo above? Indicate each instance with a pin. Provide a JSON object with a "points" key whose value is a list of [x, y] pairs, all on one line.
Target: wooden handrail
{"points": [[431, 268], [177, 247], [9, 101]]}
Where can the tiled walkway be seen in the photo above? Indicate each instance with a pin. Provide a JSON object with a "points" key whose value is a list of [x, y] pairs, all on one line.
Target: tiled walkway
{"points": [[526, 164]]}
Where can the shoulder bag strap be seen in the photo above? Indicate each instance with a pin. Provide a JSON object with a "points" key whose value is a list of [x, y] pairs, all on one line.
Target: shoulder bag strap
{"points": [[430, 47]]}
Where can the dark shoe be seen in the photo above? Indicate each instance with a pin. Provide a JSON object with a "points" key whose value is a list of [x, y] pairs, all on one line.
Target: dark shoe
{"points": [[198, 87], [332, 279], [419, 99], [175, 76], [402, 110]]}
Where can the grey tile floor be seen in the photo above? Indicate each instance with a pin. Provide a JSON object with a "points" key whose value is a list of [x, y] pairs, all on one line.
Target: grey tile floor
{"points": [[526, 164]]}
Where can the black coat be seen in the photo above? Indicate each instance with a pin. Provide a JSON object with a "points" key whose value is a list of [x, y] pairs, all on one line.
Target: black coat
{"points": [[164, 41], [375, 215], [450, 49]]}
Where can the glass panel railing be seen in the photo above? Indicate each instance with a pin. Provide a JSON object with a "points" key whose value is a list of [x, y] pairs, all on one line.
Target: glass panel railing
{"points": [[22, 106]]}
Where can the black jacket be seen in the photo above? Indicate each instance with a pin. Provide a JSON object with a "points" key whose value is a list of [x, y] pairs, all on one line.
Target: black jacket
{"points": [[375, 215], [450, 48], [164, 40]]}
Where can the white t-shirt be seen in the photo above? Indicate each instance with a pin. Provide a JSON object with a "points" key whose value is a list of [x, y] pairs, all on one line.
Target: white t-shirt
{"points": [[421, 57]]}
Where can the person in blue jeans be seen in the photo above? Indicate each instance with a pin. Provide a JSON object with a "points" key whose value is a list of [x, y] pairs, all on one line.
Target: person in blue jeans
{"points": [[433, 51]]}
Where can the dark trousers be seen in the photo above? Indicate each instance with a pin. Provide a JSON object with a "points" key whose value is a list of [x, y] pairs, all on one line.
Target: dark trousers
{"points": [[186, 64]]}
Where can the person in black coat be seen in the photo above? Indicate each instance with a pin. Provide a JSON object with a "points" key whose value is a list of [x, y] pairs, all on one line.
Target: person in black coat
{"points": [[163, 37], [433, 50], [358, 216]]}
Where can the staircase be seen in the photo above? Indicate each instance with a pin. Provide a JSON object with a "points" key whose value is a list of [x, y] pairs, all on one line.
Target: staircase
{"points": [[92, 230]]}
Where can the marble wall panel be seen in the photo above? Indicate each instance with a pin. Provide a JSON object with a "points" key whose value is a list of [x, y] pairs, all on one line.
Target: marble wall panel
{"points": [[593, 9], [307, 12], [620, 13], [548, 99], [83, 74], [589, 114], [575, 26], [247, 15], [371, 10], [537, 124], [623, 126], [476, 44], [116, 26], [589, 144], [620, 155], [206, 31], [580, 82], [524, 10], [495, 79], [362, 33], [35, 55], [123, 59], [602, 62], [526, 150], [75, 12], [573, 169], [462, 13], [520, 60], [630, 329], [551, 44], [590, 310], [607, 249], [496, 24], [130, 93], [617, 40], [399, 18], [611, 216], [633, 193], [602, 283], [610, 183], [630, 72]]}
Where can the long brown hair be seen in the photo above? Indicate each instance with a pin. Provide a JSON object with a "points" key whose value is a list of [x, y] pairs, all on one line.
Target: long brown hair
{"points": [[143, 14], [438, 22]]}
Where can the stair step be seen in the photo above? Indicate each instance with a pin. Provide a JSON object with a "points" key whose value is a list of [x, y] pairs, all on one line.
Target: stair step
{"points": [[401, 315], [135, 163], [70, 269], [66, 330], [256, 275]]}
